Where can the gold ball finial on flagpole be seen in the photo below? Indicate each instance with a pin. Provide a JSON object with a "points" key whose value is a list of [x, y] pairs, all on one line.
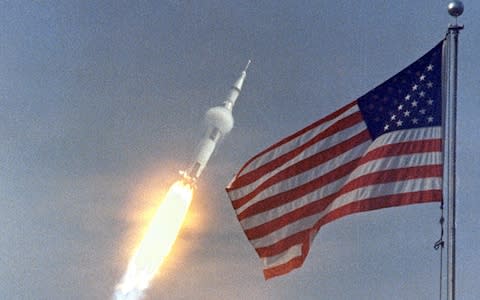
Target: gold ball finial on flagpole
{"points": [[455, 8]]}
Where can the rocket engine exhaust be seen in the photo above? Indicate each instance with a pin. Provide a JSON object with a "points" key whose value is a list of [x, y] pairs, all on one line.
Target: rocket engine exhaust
{"points": [[157, 242]]}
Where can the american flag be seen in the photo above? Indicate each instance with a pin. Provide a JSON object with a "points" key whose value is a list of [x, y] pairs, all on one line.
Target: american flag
{"points": [[381, 150]]}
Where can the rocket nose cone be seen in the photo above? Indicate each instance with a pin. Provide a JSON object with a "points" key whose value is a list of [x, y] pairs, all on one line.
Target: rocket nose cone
{"points": [[246, 67], [239, 83]]}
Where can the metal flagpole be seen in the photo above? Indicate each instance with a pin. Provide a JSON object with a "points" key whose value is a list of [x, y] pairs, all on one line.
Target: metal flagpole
{"points": [[455, 8]]}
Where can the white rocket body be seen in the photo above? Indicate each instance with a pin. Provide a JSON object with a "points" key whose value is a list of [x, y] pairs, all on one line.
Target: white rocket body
{"points": [[219, 121]]}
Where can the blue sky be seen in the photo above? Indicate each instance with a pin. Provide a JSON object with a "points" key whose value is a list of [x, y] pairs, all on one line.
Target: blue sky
{"points": [[101, 104]]}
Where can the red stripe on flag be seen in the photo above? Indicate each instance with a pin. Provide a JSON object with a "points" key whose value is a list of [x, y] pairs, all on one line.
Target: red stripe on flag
{"points": [[403, 148], [294, 263], [284, 244]]}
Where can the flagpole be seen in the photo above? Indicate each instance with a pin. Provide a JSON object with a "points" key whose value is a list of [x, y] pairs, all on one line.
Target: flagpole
{"points": [[455, 9]]}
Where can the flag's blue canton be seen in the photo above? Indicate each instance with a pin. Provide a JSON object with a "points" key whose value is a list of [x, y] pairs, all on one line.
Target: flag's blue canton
{"points": [[410, 99]]}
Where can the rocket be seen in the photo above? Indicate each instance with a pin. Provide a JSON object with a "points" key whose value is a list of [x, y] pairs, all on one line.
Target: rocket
{"points": [[219, 121]]}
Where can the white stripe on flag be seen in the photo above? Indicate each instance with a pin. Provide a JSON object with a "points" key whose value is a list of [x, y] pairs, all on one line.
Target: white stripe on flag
{"points": [[407, 135], [284, 257]]}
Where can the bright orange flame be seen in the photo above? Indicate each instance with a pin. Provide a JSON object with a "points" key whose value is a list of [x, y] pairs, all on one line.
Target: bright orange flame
{"points": [[157, 242]]}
